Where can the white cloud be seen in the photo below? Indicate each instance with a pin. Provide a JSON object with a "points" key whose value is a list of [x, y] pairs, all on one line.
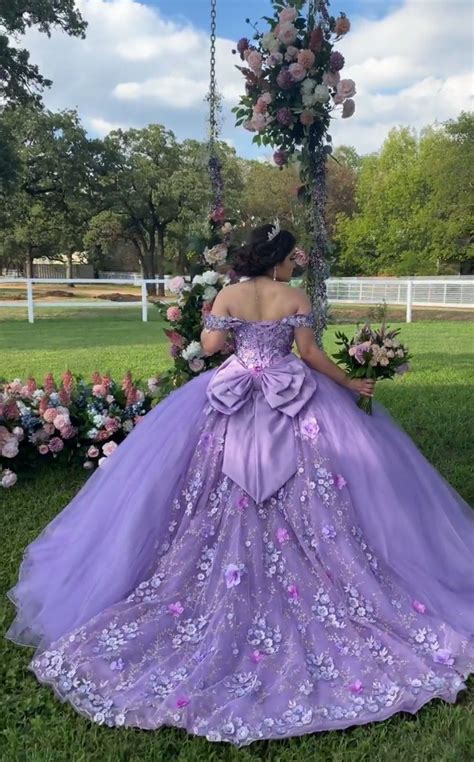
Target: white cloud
{"points": [[136, 67]]}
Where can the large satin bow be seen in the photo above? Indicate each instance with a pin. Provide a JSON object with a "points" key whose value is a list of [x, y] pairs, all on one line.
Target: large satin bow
{"points": [[260, 448]]}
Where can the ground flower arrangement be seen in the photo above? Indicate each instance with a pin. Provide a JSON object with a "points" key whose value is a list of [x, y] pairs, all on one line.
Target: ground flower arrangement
{"points": [[72, 419]]}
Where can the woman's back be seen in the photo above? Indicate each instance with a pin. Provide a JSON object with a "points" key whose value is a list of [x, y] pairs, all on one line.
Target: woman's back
{"points": [[260, 299]]}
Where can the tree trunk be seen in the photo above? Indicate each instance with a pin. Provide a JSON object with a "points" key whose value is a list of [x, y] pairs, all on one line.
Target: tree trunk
{"points": [[160, 259], [69, 268], [29, 262], [182, 263]]}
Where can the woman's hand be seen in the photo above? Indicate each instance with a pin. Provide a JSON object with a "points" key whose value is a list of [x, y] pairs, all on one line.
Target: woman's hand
{"points": [[365, 386]]}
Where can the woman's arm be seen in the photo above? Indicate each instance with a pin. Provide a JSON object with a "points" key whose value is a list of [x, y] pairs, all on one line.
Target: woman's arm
{"points": [[313, 356], [213, 341]]}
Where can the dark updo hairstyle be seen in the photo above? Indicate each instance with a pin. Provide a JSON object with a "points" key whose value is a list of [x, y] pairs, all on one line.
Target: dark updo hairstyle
{"points": [[259, 255]]}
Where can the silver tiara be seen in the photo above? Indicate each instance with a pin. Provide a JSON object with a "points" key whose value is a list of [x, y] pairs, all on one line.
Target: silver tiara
{"points": [[275, 229]]}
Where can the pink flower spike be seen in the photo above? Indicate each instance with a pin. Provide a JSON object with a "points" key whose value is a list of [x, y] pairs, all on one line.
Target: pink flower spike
{"points": [[356, 687], [257, 656], [420, 607], [182, 702], [175, 608], [340, 481], [293, 592]]}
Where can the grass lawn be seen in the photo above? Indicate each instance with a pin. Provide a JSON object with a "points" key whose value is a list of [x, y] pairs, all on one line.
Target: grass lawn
{"points": [[432, 403]]}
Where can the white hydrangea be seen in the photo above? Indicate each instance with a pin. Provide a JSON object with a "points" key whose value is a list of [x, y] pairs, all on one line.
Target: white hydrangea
{"points": [[193, 350], [269, 42], [321, 94], [198, 280], [210, 277], [209, 294]]}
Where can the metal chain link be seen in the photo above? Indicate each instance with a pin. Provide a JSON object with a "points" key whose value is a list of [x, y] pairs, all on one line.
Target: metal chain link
{"points": [[213, 125]]}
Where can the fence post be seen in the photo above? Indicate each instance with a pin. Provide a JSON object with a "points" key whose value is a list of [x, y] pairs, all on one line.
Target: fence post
{"points": [[409, 300], [144, 302], [29, 296]]}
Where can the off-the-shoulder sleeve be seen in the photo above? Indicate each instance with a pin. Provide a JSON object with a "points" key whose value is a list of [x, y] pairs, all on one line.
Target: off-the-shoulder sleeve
{"points": [[218, 322], [301, 320]]}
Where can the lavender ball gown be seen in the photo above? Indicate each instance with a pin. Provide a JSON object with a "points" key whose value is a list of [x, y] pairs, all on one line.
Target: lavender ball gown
{"points": [[259, 559]]}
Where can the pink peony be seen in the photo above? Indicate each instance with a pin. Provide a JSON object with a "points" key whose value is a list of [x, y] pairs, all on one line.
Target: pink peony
{"points": [[99, 390], [356, 687], [176, 339], [348, 108], [176, 285], [56, 444], [254, 61], [109, 448], [346, 88], [342, 26], [297, 71], [61, 420], [93, 452], [418, 606], [306, 118], [331, 78], [69, 431], [50, 414], [282, 535], [287, 33], [306, 58], [173, 314], [49, 429], [288, 15], [291, 53], [43, 449]]}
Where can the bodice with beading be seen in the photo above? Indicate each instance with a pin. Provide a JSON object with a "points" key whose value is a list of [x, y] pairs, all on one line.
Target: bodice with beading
{"points": [[261, 343]]}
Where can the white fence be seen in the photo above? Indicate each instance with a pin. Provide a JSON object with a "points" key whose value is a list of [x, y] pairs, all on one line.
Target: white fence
{"points": [[455, 292]]}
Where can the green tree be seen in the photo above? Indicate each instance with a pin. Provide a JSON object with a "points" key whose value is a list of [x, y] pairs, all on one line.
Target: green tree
{"points": [[21, 81]]}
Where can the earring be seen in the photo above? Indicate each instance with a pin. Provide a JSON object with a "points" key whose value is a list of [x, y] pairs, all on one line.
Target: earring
{"points": [[274, 273]]}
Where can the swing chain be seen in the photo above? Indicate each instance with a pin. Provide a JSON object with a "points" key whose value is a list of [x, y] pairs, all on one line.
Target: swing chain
{"points": [[213, 126]]}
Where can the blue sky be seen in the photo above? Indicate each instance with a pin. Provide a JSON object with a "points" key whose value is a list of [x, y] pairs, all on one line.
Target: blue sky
{"points": [[146, 61]]}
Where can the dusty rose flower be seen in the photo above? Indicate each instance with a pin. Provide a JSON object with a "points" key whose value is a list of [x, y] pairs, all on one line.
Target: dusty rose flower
{"points": [[43, 449], [275, 59], [346, 88], [316, 39], [93, 452], [342, 26], [297, 71], [348, 108], [306, 58], [291, 53], [254, 61], [285, 80], [280, 157], [109, 448], [331, 78], [176, 339], [306, 117], [176, 285], [50, 414], [56, 444], [68, 431], [288, 15], [61, 420], [258, 122], [287, 33], [336, 61], [173, 314], [49, 429]]}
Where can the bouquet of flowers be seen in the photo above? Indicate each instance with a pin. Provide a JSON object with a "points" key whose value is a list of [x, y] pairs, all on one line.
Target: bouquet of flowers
{"points": [[69, 419], [293, 78], [372, 354]]}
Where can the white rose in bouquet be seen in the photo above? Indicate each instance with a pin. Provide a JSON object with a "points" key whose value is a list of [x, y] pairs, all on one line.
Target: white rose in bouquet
{"points": [[193, 350], [210, 277], [209, 294]]}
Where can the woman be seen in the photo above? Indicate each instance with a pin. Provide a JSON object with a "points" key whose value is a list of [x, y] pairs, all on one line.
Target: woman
{"points": [[259, 558]]}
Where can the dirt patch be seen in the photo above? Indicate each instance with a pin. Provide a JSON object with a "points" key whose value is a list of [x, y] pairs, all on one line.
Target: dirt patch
{"points": [[117, 297]]}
